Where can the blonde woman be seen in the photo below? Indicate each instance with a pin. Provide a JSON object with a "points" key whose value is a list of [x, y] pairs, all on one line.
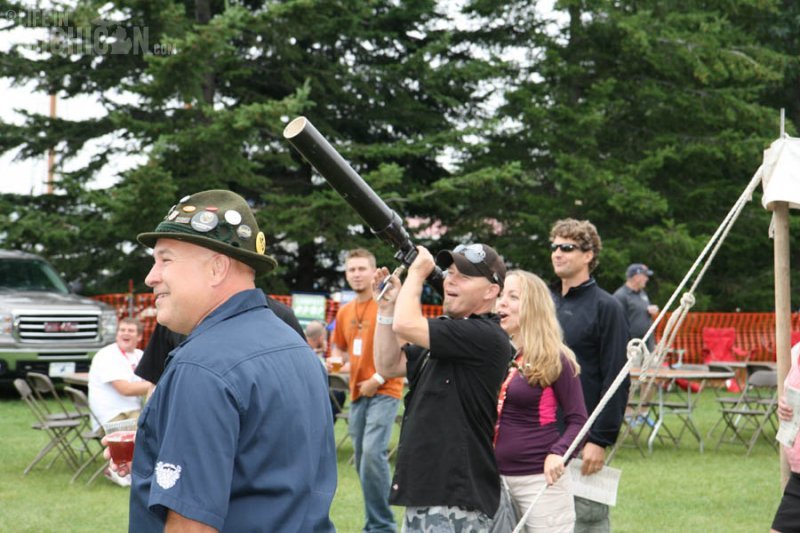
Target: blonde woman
{"points": [[544, 378]]}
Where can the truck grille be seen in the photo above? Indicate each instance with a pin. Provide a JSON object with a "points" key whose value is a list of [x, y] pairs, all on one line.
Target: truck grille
{"points": [[69, 327], [42, 367]]}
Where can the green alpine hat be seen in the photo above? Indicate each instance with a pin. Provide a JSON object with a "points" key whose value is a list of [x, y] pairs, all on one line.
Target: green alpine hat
{"points": [[219, 220]]}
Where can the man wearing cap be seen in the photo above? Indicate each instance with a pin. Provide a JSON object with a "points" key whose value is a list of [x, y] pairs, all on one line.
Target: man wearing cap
{"points": [[596, 330], [638, 309], [446, 475], [238, 434]]}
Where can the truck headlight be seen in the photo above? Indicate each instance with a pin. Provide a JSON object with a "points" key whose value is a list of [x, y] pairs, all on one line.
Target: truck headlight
{"points": [[108, 324], [6, 324]]}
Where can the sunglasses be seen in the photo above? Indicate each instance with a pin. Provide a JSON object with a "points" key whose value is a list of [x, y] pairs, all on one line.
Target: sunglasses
{"points": [[473, 252], [476, 255], [564, 247]]}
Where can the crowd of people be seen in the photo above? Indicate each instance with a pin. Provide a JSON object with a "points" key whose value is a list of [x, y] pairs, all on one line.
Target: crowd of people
{"points": [[237, 430]]}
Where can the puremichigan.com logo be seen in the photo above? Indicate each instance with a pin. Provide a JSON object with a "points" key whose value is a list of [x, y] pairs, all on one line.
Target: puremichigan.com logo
{"points": [[102, 37]]}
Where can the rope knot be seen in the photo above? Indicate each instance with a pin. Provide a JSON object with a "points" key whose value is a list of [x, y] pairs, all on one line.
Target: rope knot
{"points": [[687, 300]]}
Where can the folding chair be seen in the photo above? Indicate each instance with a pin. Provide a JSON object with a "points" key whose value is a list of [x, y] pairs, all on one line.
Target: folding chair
{"points": [[46, 392], [638, 417], [337, 384], [754, 412], [60, 432], [719, 347], [681, 402], [81, 404], [721, 394]]}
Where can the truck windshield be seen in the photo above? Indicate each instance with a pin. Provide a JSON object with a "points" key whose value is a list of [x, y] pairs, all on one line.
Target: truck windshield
{"points": [[30, 275]]}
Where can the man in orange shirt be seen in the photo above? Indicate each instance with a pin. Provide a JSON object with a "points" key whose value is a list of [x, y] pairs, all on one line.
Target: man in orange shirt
{"points": [[373, 399]]}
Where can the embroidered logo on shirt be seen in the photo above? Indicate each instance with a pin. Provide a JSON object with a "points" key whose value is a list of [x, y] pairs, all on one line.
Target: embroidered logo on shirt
{"points": [[167, 475]]}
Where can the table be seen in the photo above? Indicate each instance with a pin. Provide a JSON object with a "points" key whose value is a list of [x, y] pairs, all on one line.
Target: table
{"points": [[77, 378], [744, 369], [682, 409]]}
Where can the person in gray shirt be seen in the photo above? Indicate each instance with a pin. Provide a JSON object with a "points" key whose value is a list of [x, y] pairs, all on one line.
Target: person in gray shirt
{"points": [[635, 302]]}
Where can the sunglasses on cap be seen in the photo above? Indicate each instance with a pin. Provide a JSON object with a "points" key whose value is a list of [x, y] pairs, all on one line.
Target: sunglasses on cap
{"points": [[476, 255], [565, 247]]}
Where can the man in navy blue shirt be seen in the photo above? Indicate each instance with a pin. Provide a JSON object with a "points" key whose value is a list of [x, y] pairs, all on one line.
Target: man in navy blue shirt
{"points": [[238, 433]]}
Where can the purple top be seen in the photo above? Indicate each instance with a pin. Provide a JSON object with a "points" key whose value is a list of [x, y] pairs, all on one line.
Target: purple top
{"points": [[528, 431]]}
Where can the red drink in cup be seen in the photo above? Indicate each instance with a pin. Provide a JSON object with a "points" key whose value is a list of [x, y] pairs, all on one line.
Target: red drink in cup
{"points": [[120, 444]]}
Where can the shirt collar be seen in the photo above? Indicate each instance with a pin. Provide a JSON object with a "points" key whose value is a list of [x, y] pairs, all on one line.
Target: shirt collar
{"points": [[573, 291], [238, 303]]}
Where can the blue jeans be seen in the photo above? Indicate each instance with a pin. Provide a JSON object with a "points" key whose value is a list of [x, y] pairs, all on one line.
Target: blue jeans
{"points": [[371, 421]]}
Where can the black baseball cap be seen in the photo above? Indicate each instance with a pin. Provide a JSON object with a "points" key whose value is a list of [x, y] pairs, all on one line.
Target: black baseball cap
{"points": [[474, 260]]}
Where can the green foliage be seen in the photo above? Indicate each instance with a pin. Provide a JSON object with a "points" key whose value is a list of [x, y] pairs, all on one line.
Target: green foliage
{"points": [[649, 119], [646, 117], [210, 115]]}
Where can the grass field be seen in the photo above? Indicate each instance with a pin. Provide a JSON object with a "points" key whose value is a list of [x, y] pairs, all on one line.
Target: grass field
{"points": [[673, 490]]}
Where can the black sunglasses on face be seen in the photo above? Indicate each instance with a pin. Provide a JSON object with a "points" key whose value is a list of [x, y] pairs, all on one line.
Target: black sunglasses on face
{"points": [[564, 247]]}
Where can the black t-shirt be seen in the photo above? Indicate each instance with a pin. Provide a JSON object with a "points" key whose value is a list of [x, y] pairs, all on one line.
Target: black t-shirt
{"points": [[445, 455], [163, 341]]}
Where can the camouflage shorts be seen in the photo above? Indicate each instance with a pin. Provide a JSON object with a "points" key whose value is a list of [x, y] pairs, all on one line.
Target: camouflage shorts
{"points": [[443, 519]]}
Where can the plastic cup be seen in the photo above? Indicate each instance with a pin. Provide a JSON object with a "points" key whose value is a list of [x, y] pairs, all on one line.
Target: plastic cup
{"points": [[336, 363], [120, 436]]}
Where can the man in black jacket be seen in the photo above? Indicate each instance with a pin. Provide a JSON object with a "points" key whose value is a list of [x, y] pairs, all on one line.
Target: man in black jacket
{"points": [[595, 328]]}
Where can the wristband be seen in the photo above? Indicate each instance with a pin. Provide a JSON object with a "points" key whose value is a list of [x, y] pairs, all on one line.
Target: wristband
{"points": [[377, 377], [385, 320]]}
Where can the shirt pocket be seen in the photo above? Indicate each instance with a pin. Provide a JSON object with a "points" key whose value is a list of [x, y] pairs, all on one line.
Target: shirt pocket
{"points": [[142, 454]]}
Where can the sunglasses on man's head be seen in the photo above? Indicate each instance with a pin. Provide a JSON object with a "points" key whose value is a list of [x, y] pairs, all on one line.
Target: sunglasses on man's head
{"points": [[473, 252], [564, 247], [476, 255]]}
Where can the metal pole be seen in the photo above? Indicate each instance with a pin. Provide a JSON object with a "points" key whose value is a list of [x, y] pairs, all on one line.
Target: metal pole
{"points": [[131, 307]]}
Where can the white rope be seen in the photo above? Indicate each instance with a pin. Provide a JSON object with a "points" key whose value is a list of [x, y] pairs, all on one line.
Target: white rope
{"points": [[671, 329]]}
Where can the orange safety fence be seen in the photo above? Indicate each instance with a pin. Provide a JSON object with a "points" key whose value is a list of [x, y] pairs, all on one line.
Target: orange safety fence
{"points": [[755, 333], [142, 306]]}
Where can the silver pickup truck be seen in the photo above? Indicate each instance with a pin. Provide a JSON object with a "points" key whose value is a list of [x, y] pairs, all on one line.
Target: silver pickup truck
{"points": [[43, 327]]}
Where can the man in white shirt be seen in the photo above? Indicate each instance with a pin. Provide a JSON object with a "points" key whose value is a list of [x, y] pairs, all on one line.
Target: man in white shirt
{"points": [[115, 392]]}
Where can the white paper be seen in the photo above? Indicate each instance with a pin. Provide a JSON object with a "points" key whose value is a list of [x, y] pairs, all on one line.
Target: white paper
{"points": [[787, 431], [599, 487]]}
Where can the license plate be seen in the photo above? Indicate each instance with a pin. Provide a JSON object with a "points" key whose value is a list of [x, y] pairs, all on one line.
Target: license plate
{"points": [[58, 370]]}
